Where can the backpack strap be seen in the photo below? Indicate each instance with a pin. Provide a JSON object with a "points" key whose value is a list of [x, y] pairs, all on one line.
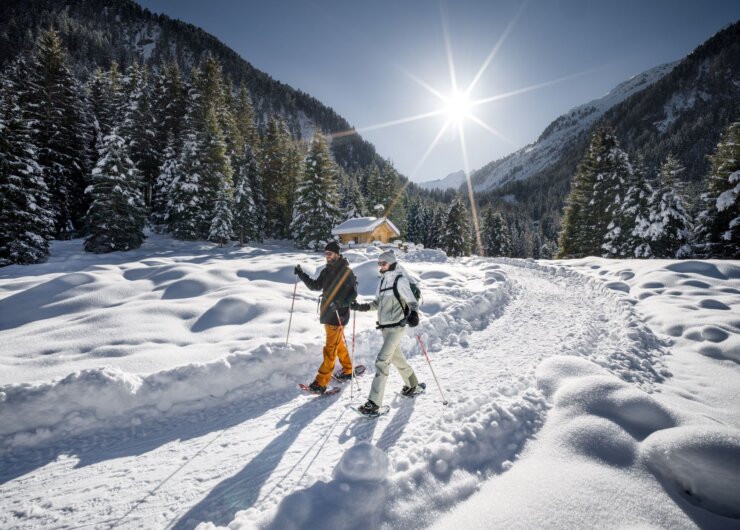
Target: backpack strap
{"points": [[405, 307]]}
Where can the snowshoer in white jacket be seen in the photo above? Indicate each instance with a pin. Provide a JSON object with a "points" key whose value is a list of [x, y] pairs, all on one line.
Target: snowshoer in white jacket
{"points": [[394, 312]]}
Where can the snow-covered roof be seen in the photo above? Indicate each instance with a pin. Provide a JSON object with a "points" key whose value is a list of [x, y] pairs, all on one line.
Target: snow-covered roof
{"points": [[361, 225]]}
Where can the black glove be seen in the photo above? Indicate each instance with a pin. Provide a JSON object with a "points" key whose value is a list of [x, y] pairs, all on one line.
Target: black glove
{"points": [[359, 307], [298, 270], [413, 319], [333, 306]]}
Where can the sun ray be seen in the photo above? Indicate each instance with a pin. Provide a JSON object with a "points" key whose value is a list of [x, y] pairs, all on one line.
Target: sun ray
{"points": [[430, 148], [409, 119], [493, 131], [424, 84], [495, 49], [533, 87], [448, 48], [471, 195]]}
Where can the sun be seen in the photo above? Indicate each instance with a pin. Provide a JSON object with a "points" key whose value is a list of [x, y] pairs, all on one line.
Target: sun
{"points": [[457, 106]]}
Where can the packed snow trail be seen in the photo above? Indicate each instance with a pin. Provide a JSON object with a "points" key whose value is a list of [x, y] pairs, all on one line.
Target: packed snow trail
{"points": [[211, 465]]}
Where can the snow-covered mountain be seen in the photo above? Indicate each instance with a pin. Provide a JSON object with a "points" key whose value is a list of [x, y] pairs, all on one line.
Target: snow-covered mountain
{"points": [[453, 180], [95, 32], [560, 134]]}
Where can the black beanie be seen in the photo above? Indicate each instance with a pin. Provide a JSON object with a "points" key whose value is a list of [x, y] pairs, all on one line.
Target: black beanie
{"points": [[332, 246]]}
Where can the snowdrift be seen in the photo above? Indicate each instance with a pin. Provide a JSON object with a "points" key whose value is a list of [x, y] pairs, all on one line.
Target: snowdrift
{"points": [[103, 398]]}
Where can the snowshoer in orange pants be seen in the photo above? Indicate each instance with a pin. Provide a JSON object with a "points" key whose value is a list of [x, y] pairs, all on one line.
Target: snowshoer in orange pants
{"points": [[339, 289]]}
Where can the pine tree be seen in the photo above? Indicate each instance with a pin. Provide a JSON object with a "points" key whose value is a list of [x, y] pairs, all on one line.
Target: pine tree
{"points": [[496, 239], [54, 104], [373, 188], [454, 240], [415, 222], [222, 222], [139, 127], [184, 201], [168, 171], [596, 193], [718, 227], [248, 224], [170, 108], [275, 177], [546, 251], [628, 233], [351, 201], [437, 222], [215, 172], [670, 224], [316, 209], [117, 214], [26, 223], [244, 121], [637, 207]]}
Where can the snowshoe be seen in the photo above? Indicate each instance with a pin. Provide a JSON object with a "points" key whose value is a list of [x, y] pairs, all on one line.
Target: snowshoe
{"points": [[411, 392], [371, 410], [315, 388], [342, 377]]}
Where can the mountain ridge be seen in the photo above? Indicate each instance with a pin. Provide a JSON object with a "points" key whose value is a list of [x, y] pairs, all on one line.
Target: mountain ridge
{"points": [[97, 32]]}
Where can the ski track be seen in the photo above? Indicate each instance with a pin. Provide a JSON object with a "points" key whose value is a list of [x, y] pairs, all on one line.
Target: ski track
{"points": [[207, 466]]}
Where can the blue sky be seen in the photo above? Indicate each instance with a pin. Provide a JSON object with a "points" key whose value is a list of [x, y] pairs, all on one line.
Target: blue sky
{"points": [[360, 57]]}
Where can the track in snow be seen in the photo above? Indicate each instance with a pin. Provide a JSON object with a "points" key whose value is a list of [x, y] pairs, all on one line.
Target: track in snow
{"points": [[250, 456]]}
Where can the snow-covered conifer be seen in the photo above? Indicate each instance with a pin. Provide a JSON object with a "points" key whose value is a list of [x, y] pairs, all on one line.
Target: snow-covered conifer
{"points": [[139, 127], [59, 132], [117, 214], [415, 221], [26, 223], [275, 177], [316, 209], [597, 191], [670, 224], [454, 240], [222, 222], [247, 221], [718, 227], [351, 201], [184, 200], [496, 238]]}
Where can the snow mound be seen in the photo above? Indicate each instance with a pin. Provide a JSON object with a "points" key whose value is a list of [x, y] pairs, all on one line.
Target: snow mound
{"points": [[702, 462], [426, 254], [602, 395], [93, 399], [229, 311], [353, 500], [362, 462], [553, 372]]}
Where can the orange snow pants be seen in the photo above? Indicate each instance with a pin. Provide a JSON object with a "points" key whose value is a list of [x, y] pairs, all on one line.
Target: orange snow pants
{"points": [[334, 347]]}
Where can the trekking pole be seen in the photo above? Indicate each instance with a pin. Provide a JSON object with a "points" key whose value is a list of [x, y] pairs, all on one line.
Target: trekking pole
{"points": [[352, 357], [444, 401], [351, 362], [295, 286]]}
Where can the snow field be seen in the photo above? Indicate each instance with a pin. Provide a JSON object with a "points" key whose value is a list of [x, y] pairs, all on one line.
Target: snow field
{"points": [[107, 397], [610, 444], [565, 410]]}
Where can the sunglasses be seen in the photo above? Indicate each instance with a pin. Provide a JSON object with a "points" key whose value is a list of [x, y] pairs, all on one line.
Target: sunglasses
{"points": [[382, 263]]}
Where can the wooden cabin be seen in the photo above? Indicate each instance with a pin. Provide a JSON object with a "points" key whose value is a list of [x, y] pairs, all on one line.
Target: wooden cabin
{"points": [[365, 230]]}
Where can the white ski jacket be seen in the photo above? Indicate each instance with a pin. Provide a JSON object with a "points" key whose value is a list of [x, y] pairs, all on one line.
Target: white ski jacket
{"points": [[390, 312]]}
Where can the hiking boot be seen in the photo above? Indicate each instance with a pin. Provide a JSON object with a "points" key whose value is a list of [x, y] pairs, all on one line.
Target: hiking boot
{"points": [[343, 377], [369, 408], [315, 387], [408, 391]]}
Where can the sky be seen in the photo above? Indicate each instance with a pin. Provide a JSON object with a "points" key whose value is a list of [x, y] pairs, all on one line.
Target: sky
{"points": [[382, 61]]}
